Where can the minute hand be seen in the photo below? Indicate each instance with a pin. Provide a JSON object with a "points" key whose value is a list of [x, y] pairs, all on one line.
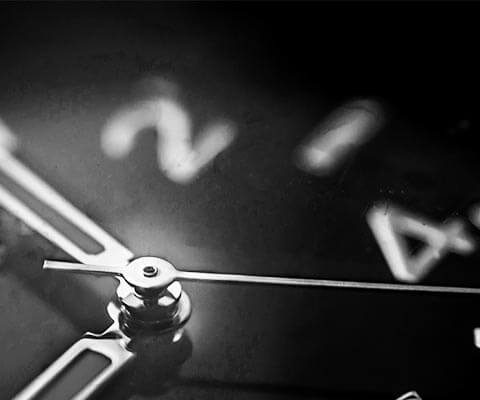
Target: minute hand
{"points": [[113, 252]]}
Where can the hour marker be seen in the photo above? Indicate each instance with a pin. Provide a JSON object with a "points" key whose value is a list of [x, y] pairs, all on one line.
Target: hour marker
{"points": [[343, 131], [179, 157], [390, 225]]}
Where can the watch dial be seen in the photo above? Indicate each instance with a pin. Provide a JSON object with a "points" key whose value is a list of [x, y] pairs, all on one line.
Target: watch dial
{"points": [[331, 141]]}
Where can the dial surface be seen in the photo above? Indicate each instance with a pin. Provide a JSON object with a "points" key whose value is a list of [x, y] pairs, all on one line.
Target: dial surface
{"points": [[316, 141]]}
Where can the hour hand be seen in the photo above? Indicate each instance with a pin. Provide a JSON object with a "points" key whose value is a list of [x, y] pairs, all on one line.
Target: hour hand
{"points": [[84, 367], [111, 251]]}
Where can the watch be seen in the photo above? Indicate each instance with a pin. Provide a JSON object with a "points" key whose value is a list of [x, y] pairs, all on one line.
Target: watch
{"points": [[257, 201]]}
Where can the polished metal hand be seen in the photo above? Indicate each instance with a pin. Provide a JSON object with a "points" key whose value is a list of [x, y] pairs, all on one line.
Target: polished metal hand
{"points": [[112, 345], [168, 274], [152, 275], [113, 252]]}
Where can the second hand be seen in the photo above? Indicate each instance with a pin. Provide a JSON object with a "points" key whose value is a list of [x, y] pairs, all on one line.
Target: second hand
{"points": [[170, 273], [271, 280]]}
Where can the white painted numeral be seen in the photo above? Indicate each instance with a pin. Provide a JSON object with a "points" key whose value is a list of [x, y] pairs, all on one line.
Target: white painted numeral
{"points": [[390, 224], [342, 132], [179, 159]]}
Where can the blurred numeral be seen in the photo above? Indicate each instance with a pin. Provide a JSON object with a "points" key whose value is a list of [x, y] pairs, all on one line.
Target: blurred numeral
{"points": [[339, 135], [179, 157], [390, 225]]}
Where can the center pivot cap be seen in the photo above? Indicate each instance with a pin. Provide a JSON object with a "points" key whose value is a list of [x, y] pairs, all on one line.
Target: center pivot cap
{"points": [[150, 273]]}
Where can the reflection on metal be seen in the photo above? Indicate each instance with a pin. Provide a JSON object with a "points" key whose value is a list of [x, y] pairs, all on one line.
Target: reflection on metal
{"points": [[346, 129], [389, 223], [148, 299], [178, 158], [111, 344], [171, 274], [113, 252], [412, 395]]}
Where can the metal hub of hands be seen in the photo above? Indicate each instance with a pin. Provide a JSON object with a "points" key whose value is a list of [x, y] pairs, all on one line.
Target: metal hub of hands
{"points": [[149, 293]]}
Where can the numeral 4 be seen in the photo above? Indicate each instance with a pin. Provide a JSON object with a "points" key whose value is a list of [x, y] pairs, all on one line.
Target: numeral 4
{"points": [[390, 225]]}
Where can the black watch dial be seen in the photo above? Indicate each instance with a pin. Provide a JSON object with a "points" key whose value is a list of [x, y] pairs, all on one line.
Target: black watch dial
{"points": [[311, 141]]}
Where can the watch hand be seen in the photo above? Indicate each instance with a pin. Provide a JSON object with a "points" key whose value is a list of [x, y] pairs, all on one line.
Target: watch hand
{"points": [[156, 299], [151, 300], [274, 280], [86, 268], [113, 252], [165, 274], [107, 353]]}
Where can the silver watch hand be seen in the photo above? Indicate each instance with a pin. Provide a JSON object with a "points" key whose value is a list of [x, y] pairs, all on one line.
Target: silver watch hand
{"points": [[85, 268], [275, 280], [110, 352], [109, 347], [169, 274], [151, 276], [152, 300], [113, 252]]}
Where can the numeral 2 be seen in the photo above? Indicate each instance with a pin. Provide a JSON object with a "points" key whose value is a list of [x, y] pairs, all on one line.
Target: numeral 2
{"points": [[179, 158]]}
